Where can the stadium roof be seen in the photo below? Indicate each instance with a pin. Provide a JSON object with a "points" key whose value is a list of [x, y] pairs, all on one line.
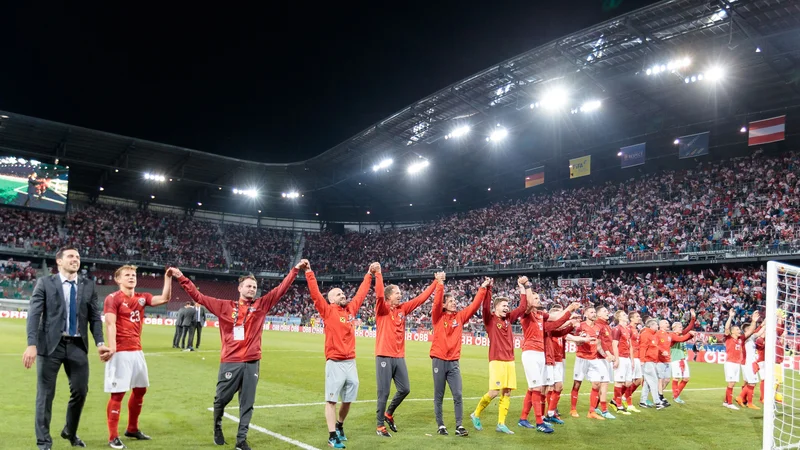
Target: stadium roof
{"points": [[632, 64]]}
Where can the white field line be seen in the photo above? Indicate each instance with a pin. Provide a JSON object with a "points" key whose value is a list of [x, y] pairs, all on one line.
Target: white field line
{"points": [[272, 433], [297, 405]]}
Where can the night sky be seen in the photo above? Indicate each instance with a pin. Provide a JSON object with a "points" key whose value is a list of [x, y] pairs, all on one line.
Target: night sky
{"points": [[277, 85]]}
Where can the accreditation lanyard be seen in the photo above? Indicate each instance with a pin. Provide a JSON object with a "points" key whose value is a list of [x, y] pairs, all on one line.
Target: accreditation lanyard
{"points": [[238, 330]]}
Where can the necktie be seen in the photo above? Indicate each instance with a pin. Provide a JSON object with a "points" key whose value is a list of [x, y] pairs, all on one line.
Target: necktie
{"points": [[73, 309]]}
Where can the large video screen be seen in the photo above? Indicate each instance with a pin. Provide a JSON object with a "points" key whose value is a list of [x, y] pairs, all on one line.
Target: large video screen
{"points": [[28, 183]]}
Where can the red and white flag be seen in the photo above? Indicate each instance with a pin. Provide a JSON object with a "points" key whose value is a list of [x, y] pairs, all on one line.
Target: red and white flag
{"points": [[766, 131]]}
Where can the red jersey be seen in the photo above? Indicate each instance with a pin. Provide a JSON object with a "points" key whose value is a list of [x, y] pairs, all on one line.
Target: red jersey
{"points": [[734, 349], [587, 350], [340, 335], [554, 350], [501, 337], [449, 327], [622, 335], [390, 321], [130, 313], [534, 326], [634, 341], [605, 336], [648, 346], [247, 314], [760, 350]]}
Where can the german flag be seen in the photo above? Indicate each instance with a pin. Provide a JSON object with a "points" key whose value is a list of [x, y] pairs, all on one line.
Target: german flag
{"points": [[534, 177]]}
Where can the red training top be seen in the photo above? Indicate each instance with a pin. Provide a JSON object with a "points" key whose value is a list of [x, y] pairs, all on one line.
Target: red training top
{"points": [[130, 313], [249, 314], [448, 327], [340, 336], [390, 321]]}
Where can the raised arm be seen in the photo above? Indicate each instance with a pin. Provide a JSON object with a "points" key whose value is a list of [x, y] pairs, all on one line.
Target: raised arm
{"points": [[519, 311], [728, 322], [438, 303], [316, 295], [271, 298], [166, 291], [752, 327], [487, 306], [562, 331], [381, 308], [690, 325], [361, 294], [36, 308], [473, 307], [682, 337], [211, 303], [415, 303]]}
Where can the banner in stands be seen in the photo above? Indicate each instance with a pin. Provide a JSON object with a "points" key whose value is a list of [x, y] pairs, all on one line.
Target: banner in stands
{"points": [[580, 167], [567, 282], [693, 145], [632, 155]]}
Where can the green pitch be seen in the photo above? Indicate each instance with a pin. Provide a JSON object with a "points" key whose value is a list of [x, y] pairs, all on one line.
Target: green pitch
{"points": [[176, 406], [8, 193]]}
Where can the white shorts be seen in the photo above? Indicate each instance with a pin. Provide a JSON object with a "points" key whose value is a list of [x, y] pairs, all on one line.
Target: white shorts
{"points": [[732, 372], [534, 365], [580, 368], [761, 370], [750, 376], [678, 371], [341, 381], [126, 370], [549, 375], [595, 370], [558, 372], [624, 371], [662, 370], [637, 369], [610, 370]]}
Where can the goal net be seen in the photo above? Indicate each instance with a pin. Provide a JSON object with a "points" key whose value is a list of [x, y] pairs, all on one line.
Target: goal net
{"points": [[780, 374]]}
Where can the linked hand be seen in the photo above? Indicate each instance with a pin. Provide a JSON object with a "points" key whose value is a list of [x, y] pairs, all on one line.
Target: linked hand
{"points": [[105, 353]]}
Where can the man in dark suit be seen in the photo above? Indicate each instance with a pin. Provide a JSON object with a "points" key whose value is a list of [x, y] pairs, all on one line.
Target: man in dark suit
{"points": [[62, 310], [186, 322], [176, 341], [198, 319]]}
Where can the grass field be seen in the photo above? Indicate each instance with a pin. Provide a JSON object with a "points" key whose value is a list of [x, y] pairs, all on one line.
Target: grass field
{"points": [[176, 411]]}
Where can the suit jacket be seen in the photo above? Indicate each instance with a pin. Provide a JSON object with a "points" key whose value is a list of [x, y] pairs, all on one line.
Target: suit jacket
{"points": [[47, 314], [202, 320], [180, 317], [185, 316]]}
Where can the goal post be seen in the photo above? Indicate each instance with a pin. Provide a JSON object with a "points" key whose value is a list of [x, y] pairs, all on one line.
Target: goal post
{"points": [[780, 430]]}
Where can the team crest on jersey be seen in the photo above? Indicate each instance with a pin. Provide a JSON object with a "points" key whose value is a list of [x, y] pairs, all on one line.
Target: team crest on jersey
{"points": [[499, 326], [141, 301], [455, 323], [342, 319], [400, 315], [228, 375]]}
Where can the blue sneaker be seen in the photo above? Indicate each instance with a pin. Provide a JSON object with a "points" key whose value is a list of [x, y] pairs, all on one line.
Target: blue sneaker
{"points": [[554, 419], [502, 428], [544, 428], [679, 401], [650, 404], [607, 415], [597, 410], [334, 442], [340, 435], [476, 422], [525, 424]]}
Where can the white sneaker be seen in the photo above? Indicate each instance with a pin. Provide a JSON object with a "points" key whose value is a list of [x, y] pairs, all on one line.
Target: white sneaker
{"points": [[731, 406]]}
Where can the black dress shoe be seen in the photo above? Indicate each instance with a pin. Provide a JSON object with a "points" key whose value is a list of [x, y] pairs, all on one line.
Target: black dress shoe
{"points": [[74, 440]]}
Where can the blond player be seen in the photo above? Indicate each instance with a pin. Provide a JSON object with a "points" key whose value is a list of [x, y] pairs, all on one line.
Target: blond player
{"points": [[127, 369]]}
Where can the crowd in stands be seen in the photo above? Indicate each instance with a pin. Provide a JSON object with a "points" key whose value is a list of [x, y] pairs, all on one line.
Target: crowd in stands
{"points": [[16, 279], [259, 249], [745, 202], [123, 234]]}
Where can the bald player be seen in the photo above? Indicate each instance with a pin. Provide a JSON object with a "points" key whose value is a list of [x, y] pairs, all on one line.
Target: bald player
{"points": [[341, 374]]}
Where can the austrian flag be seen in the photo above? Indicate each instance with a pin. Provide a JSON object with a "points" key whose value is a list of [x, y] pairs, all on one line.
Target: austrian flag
{"points": [[766, 131]]}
